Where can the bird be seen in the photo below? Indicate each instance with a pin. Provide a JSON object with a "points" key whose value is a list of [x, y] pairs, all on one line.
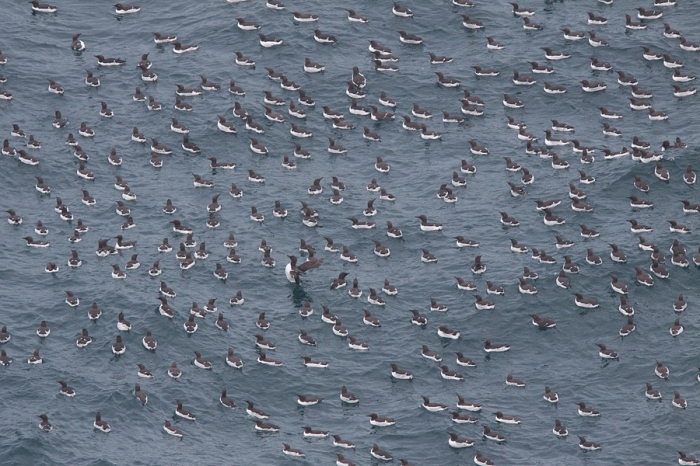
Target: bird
{"points": [[140, 394], [45, 425], [587, 445], [584, 410], [101, 425], [661, 370], [293, 271]]}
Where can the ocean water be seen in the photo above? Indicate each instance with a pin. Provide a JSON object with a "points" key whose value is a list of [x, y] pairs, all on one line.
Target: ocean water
{"points": [[631, 429]]}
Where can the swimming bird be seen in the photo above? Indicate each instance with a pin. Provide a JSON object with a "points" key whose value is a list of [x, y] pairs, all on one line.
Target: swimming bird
{"points": [[172, 430], [652, 393], [634, 25], [101, 425], [380, 454], [541, 322], [45, 425], [418, 318], [587, 445], [492, 435], [348, 397], [550, 396], [118, 347], [483, 304], [605, 352], [354, 17], [102, 61], [432, 355], [4, 335], [661, 370], [457, 441], [470, 23], [149, 341], [266, 426], [510, 380], [260, 342], [400, 374], [687, 460], [628, 328], [42, 7], [289, 451], [35, 358], [306, 400], [84, 339], [445, 332], [140, 394], [401, 11], [233, 360], [180, 48], [294, 271], [680, 305], [689, 208], [482, 460], [583, 410], [184, 413], [77, 44], [495, 347], [353, 343], [380, 421], [678, 402], [505, 419], [122, 9]]}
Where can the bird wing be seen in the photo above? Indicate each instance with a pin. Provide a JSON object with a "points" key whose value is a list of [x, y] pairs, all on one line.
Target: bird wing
{"points": [[310, 264]]}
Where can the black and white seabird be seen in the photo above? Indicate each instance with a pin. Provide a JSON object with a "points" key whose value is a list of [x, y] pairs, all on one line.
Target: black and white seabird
{"points": [[354, 17], [495, 347], [605, 352], [380, 454], [289, 451], [584, 410], [587, 445], [153, 105], [184, 413], [102, 61], [400, 374], [307, 400], [652, 393], [401, 11], [687, 460], [122, 9], [35, 358], [65, 389], [661, 370], [172, 430], [678, 402], [140, 394], [265, 426], [294, 271], [233, 360], [101, 425], [635, 25], [470, 23], [308, 362], [42, 7], [582, 301], [4, 335], [550, 396], [180, 48], [380, 421], [5, 360], [77, 44]]}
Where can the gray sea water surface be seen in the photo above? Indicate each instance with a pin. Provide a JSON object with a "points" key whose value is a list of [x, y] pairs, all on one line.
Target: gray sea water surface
{"points": [[631, 429]]}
